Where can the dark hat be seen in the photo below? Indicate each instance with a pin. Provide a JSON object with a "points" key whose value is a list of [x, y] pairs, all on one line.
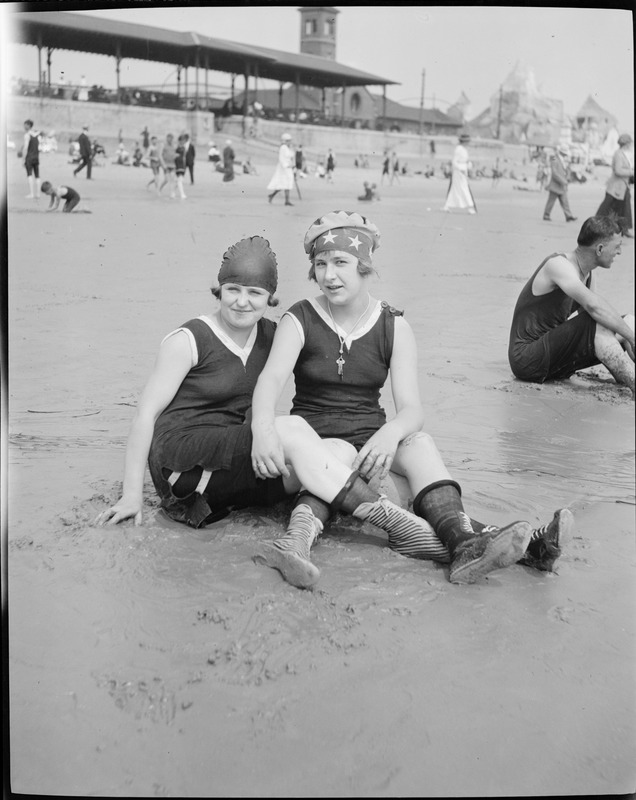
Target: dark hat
{"points": [[250, 262], [464, 137], [624, 138]]}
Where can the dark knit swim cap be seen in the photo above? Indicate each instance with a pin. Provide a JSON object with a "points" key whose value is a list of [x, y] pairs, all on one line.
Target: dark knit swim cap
{"points": [[342, 230], [250, 262]]}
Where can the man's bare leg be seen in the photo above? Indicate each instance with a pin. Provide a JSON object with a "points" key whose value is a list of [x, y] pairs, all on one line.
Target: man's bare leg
{"points": [[611, 354]]}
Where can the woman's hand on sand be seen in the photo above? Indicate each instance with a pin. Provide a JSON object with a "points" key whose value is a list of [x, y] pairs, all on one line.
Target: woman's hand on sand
{"points": [[124, 509], [268, 456], [376, 457]]}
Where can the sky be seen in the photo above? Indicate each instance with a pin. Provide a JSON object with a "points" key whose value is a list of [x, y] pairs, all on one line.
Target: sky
{"points": [[573, 52]]}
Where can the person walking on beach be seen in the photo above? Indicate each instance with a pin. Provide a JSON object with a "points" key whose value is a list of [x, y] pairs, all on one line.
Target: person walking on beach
{"points": [[145, 140], [386, 167], [86, 153], [617, 200], [341, 346], [67, 193], [156, 165], [190, 155], [560, 324], [168, 159], [331, 165], [459, 194], [299, 162], [228, 162], [31, 156], [558, 184], [180, 164], [283, 177], [395, 168]]}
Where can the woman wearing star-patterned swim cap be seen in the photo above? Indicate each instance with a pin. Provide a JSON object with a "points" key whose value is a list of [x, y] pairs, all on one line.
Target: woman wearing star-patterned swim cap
{"points": [[342, 346]]}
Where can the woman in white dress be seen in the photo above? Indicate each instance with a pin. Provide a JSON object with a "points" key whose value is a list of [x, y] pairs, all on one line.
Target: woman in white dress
{"points": [[283, 177], [459, 194]]}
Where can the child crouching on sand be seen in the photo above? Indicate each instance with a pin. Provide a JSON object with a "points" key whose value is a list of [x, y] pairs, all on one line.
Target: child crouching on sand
{"points": [[370, 193], [66, 193]]}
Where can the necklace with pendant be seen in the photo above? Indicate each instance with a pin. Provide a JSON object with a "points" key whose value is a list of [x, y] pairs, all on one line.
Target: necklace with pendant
{"points": [[340, 360]]}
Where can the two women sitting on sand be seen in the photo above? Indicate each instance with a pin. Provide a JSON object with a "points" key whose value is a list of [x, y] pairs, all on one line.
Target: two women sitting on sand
{"points": [[205, 421]]}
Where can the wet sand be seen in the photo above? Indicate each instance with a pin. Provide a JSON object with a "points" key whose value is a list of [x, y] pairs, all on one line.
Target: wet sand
{"points": [[161, 661]]}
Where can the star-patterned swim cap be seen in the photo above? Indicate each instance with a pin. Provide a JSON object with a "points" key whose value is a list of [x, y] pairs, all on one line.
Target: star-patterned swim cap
{"points": [[343, 230], [250, 262]]}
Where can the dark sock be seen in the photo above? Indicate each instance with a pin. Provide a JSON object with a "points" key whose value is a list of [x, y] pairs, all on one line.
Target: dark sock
{"points": [[440, 504], [354, 492], [321, 510]]}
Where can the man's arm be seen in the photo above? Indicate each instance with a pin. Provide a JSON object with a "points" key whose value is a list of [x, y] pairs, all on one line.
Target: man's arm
{"points": [[564, 274]]}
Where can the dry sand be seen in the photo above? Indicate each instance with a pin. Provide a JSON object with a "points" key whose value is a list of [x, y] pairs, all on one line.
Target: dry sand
{"points": [[161, 661]]}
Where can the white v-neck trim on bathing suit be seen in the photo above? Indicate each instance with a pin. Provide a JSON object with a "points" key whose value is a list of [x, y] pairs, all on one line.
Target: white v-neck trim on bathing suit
{"points": [[241, 352], [324, 315]]}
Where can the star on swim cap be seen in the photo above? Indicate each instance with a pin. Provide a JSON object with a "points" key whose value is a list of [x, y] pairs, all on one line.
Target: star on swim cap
{"points": [[342, 230]]}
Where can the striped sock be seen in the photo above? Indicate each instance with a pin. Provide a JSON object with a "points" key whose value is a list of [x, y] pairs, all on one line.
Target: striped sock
{"points": [[408, 535]]}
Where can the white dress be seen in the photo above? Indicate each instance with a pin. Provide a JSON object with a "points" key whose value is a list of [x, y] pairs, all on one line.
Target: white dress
{"points": [[459, 194], [283, 177]]}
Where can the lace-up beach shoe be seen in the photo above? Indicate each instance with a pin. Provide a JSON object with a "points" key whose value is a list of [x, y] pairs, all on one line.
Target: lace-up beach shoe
{"points": [[546, 542], [491, 549], [289, 554]]}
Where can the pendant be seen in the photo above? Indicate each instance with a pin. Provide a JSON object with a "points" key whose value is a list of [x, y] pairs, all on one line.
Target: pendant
{"points": [[340, 362]]}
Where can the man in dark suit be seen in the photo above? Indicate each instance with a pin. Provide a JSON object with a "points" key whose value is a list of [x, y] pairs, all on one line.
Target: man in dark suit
{"points": [[190, 153], [86, 153], [558, 186]]}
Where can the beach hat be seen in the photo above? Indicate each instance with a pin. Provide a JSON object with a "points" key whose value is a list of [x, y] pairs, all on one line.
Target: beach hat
{"points": [[464, 137], [564, 149], [250, 262], [286, 137], [624, 138], [342, 230]]}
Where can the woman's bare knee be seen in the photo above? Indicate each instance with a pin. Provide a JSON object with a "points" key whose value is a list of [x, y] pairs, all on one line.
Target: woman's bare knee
{"points": [[420, 440], [342, 450]]}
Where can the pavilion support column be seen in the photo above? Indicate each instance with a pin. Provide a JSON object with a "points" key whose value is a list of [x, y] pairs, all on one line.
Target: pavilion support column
{"points": [[280, 97], [196, 81], [207, 90], [342, 106], [383, 106], [297, 101], [49, 50], [187, 90], [40, 68], [118, 73], [323, 101], [179, 68], [247, 88]]}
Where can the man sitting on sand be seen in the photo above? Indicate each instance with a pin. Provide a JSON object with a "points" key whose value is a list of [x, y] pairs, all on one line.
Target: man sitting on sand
{"points": [[561, 325]]}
